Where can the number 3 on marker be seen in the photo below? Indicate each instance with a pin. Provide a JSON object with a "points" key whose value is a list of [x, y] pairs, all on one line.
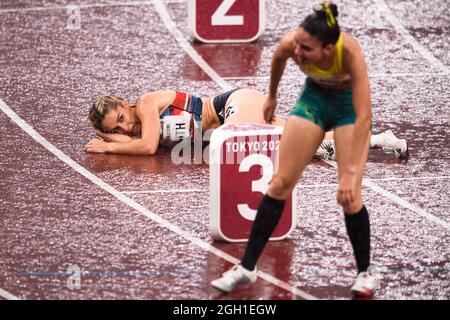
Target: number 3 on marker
{"points": [[260, 185], [226, 20]]}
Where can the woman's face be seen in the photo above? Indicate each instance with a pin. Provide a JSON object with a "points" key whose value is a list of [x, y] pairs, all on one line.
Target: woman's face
{"points": [[123, 120], [308, 49]]}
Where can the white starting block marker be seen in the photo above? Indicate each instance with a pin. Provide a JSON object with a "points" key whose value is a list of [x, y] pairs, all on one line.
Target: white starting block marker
{"points": [[242, 161], [226, 20]]}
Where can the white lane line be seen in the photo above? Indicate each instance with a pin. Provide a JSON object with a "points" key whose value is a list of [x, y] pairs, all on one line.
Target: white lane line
{"points": [[8, 296], [408, 75], [133, 204], [81, 6], [406, 204], [410, 178], [374, 75], [299, 186], [164, 191], [87, 6], [387, 13]]}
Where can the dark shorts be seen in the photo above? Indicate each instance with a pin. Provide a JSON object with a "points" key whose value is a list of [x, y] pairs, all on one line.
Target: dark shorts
{"points": [[219, 104], [327, 108]]}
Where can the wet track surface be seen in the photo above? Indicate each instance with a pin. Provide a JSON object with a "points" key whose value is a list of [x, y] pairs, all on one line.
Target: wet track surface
{"points": [[53, 217]]}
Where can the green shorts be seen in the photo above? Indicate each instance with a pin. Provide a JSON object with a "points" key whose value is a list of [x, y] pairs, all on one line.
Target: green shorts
{"points": [[327, 108]]}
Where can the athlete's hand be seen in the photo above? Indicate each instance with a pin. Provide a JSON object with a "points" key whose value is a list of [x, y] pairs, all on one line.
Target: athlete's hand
{"points": [[100, 133], [103, 135], [115, 137], [269, 109], [97, 146], [347, 189]]}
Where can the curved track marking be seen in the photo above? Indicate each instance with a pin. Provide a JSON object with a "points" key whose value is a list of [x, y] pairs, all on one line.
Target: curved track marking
{"points": [[387, 13], [402, 202], [7, 295]]}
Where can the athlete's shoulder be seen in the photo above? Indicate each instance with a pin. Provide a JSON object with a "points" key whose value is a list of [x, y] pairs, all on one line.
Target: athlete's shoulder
{"points": [[286, 43], [161, 99], [351, 49], [288, 39], [353, 57], [349, 43], [158, 94]]}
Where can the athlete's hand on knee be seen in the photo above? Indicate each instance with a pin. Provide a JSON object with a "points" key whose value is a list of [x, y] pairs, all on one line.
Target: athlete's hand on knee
{"points": [[347, 189], [97, 146], [269, 109]]}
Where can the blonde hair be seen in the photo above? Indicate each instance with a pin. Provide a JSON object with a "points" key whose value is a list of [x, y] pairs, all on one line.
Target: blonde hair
{"points": [[101, 107]]}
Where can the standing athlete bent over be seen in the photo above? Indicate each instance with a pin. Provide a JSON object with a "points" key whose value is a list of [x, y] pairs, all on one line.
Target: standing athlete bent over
{"points": [[336, 96]]}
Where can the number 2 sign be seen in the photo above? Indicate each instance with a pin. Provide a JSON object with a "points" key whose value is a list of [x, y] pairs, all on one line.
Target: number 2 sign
{"points": [[226, 20], [242, 162]]}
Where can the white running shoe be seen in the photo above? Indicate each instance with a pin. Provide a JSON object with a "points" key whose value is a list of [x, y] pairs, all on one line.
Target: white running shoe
{"points": [[326, 150], [237, 275], [394, 144], [365, 285]]}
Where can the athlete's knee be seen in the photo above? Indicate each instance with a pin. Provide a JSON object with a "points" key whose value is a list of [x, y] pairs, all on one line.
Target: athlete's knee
{"points": [[353, 207], [280, 187]]}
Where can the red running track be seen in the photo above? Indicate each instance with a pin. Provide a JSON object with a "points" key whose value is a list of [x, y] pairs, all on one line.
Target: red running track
{"points": [[137, 227]]}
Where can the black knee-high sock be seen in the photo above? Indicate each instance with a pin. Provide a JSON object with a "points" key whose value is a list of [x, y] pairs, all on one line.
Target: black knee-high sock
{"points": [[267, 218], [358, 228]]}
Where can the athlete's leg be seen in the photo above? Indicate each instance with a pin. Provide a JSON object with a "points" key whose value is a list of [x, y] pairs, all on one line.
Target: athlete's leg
{"points": [[385, 140], [388, 141], [297, 146], [356, 216], [342, 136], [329, 135]]}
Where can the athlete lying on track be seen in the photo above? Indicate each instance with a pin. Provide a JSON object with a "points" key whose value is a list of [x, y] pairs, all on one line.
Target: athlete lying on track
{"points": [[155, 118]]}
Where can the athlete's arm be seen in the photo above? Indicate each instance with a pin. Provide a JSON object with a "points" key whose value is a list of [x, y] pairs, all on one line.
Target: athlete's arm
{"points": [[281, 54], [115, 137], [148, 113], [361, 102]]}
